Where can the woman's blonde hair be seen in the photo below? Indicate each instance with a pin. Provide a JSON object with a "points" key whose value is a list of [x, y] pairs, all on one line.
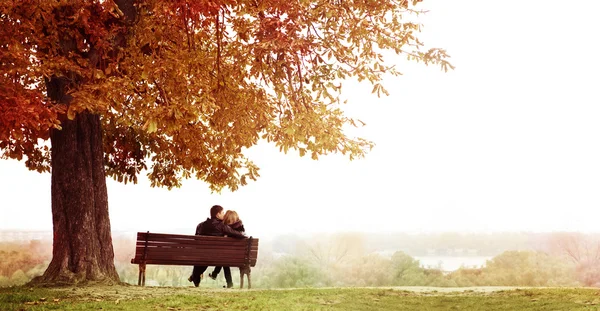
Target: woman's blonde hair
{"points": [[230, 217]]}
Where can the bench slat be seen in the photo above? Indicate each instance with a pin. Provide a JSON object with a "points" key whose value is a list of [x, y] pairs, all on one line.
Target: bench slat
{"points": [[198, 253], [241, 260], [196, 257], [218, 261], [193, 263], [142, 235], [196, 262], [203, 252], [192, 250], [206, 249], [190, 246]]}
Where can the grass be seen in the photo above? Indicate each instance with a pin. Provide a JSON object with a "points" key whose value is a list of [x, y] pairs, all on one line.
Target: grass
{"points": [[165, 298]]}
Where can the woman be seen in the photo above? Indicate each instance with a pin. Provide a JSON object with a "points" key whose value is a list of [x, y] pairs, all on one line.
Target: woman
{"points": [[231, 219]]}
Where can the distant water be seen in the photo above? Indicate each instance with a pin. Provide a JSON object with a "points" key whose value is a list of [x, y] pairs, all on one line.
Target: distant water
{"points": [[452, 263]]}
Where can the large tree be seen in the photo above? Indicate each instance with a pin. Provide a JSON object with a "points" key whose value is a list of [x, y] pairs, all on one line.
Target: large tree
{"points": [[178, 89]]}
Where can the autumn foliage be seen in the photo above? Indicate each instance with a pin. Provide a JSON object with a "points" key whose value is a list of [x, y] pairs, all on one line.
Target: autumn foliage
{"points": [[190, 84]]}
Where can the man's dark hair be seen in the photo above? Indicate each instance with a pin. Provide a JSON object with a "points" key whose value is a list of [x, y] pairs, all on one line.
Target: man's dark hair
{"points": [[215, 210]]}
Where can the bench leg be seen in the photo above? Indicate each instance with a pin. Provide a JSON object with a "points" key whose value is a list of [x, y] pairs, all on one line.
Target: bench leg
{"points": [[246, 271], [142, 275], [249, 279]]}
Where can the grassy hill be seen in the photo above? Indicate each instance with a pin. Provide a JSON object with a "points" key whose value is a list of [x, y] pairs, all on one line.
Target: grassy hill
{"points": [[400, 298]]}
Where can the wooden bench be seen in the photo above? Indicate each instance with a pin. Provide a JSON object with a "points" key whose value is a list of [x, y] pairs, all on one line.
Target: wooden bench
{"points": [[194, 250]]}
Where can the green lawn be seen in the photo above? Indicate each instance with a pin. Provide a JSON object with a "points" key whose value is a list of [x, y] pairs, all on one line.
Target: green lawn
{"points": [[164, 298]]}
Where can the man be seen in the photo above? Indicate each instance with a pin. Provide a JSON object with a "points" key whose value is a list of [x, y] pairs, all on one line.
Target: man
{"points": [[214, 226]]}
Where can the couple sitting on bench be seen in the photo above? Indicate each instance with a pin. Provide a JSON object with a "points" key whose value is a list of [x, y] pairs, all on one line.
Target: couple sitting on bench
{"points": [[219, 224]]}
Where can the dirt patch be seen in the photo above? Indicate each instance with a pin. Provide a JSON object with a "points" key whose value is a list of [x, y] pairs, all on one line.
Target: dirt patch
{"points": [[126, 292]]}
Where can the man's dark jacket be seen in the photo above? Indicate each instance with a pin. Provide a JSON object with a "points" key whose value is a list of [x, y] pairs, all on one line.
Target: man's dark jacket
{"points": [[216, 227]]}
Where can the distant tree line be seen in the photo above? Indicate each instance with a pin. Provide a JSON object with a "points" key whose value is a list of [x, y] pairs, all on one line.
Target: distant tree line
{"points": [[20, 262], [437, 244]]}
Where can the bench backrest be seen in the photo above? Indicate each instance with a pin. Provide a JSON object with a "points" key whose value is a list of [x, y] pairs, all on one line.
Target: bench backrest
{"points": [[186, 250]]}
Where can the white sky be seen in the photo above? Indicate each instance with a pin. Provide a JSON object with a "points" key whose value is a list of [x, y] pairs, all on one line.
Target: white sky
{"points": [[509, 141]]}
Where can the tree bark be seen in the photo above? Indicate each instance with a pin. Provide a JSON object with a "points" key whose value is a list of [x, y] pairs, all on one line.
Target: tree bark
{"points": [[82, 247]]}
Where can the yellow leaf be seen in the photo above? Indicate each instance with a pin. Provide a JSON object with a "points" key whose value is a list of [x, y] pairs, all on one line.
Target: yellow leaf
{"points": [[152, 126], [71, 113], [98, 74], [375, 88]]}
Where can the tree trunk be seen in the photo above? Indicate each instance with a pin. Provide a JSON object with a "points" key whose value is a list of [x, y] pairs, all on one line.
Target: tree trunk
{"points": [[82, 248]]}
